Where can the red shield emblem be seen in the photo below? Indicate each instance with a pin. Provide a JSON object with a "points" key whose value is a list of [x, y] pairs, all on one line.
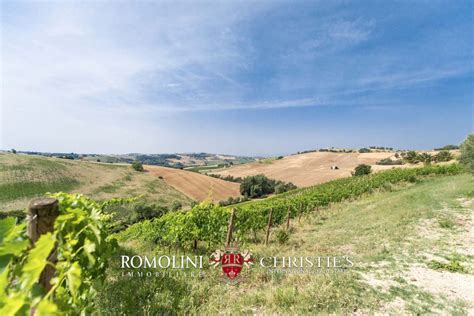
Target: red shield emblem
{"points": [[232, 264], [232, 261]]}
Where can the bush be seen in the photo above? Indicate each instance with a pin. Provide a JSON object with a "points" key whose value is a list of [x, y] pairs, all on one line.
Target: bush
{"points": [[467, 153], [425, 158], [452, 266], [412, 179], [448, 147], [281, 187], [227, 178], [411, 157], [260, 185], [143, 211], [282, 236], [176, 206], [390, 162], [443, 155], [137, 166], [365, 150], [362, 170]]}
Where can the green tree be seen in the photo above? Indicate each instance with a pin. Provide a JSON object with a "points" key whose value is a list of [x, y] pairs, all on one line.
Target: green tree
{"points": [[467, 153], [143, 211], [425, 158], [257, 186], [362, 170], [13, 151], [137, 166], [443, 155], [281, 187], [411, 157]]}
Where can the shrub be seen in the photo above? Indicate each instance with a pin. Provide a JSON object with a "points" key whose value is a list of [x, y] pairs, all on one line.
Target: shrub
{"points": [[282, 236], [412, 179], [260, 185], [281, 187], [13, 151], [411, 157], [365, 150], [137, 166], [448, 147], [390, 162], [452, 266], [143, 211], [467, 153], [176, 206], [362, 170], [426, 158], [443, 155]]}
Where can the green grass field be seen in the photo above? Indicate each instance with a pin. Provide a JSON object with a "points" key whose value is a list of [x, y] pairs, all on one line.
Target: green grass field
{"points": [[411, 246], [23, 177]]}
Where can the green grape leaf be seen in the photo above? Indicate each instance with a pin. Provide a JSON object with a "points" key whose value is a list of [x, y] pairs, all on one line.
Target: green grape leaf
{"points": [[3, 283], [14, 247], [12, 305], [46, 308], [6, 226], [73, 276], [36, 260]]}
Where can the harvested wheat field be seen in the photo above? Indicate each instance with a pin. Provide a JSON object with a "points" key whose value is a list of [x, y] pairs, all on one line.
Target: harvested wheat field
{"points": [[310, 168], [195, 185]]}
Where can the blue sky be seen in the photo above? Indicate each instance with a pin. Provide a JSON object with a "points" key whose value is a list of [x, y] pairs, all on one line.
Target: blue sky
{"points": [[249, 78]]}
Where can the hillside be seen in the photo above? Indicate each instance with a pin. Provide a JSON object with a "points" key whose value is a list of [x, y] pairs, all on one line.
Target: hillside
{"points": [[412, 248], [177, 160], [195, 185], [23, 177], [309, 168]]}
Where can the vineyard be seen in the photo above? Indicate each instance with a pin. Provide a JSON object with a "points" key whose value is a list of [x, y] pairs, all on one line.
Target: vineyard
{"points": [[207, 222], [37, 177], [82, 248], [77, 250]]}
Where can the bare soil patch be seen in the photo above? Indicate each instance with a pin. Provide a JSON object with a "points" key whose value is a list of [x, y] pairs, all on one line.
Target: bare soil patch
{"points": [[311, 168], [195, 185]]}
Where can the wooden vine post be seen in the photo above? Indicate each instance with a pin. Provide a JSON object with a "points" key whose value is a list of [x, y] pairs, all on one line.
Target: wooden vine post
{"points": [[270, 218], [288, 218], [42, 213], [300, 213], [230, 228]]}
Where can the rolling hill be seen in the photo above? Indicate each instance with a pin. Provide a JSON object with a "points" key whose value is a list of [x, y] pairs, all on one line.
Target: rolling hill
{"points": [[309, 168], [195, 185], [412, 248], [23, 177]]}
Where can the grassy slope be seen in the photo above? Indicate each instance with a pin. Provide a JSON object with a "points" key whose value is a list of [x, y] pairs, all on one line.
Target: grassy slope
{"points": [[389, 234], [23, 177]]}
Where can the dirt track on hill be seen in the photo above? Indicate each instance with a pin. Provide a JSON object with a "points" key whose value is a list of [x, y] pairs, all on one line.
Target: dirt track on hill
{"points": [[311, 168], [195, 185]]}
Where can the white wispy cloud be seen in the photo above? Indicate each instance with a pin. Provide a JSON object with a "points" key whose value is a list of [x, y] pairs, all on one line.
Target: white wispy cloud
{"points": [[103, 70]]}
